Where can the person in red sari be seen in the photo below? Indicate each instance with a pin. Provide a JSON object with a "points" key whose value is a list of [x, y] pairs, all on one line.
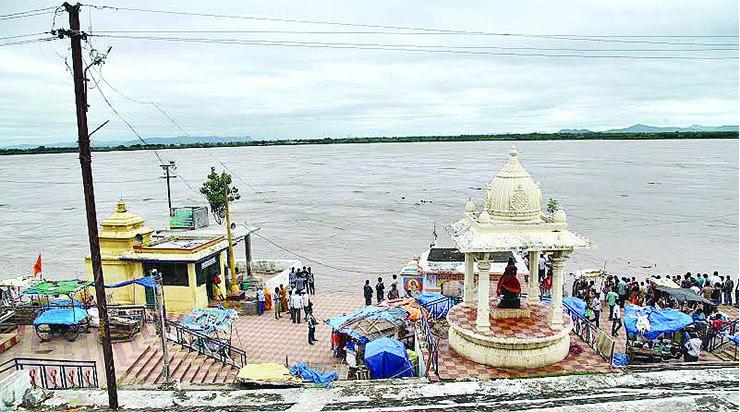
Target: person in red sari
{"points": [[508, 288]]}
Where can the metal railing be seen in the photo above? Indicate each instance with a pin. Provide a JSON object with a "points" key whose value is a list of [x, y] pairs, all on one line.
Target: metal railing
{"points": [[432, 362], [218, 349], [722, 336], [55, 373], [595, 338], [439, 307]]}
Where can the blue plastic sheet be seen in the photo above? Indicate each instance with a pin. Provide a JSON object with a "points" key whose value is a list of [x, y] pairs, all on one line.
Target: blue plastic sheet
{"points": [[66, 303], [576, 305], [660, 320], [620, 359], [734, 338], [312, 375], [145, 281], [387, 358], [435, 303], [209, 320], [61, 316]]}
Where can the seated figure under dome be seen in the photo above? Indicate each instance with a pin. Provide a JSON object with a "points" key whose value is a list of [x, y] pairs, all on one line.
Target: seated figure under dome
{"points": [[509, 289]]}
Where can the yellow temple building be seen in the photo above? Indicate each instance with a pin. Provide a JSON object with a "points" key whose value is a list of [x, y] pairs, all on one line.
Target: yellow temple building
{"points": [[191, 261]]}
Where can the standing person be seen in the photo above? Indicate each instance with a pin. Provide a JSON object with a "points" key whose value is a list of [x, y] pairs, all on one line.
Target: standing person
{"points": [[277, 303], [306, 304], [291, 277], [717, 293], [393, 293], [300, 282], [311, 322], [596, 309], [260, 302], [727, 289], [367, 291], [612, 297], [283, 299], [547, 284], [380, 290], [310, 280], [394, 281], [541, 266], [616, 319], [622, 290], [296, 304]]}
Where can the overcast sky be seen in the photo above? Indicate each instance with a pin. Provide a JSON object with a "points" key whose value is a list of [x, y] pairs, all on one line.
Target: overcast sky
{"points": [[293, 92]]}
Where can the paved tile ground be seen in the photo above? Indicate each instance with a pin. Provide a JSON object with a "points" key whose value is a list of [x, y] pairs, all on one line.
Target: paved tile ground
{"points": [[263, 338], [266, 339]]}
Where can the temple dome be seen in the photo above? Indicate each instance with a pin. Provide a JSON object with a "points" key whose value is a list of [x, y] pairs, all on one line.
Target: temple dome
{"points": [[513, 195]]}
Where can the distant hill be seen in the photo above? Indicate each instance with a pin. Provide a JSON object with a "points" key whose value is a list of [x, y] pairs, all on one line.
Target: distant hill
{"points": [[641, 128], [187, 140], [574, 131]]}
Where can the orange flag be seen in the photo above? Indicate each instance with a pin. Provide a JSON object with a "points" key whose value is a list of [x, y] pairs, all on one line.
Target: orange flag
{"points": [[37, 266]]}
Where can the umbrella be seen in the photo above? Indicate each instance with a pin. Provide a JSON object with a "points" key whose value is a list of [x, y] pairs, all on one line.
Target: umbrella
{"points": [[684, 295]]}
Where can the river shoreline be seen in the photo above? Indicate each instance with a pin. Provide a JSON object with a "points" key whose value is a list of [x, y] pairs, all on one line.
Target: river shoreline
{"points": [[395, 139]]}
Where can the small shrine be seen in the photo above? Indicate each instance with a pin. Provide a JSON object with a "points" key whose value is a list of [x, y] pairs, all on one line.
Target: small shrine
{"points": [[503, 329]]}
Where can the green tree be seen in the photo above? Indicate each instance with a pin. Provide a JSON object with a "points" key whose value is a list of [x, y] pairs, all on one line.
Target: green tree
{"points": [[552, 205], [215, 188]]}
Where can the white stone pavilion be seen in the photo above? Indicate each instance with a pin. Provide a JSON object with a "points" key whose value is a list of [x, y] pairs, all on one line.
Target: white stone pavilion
{"points": [[512, 220]]}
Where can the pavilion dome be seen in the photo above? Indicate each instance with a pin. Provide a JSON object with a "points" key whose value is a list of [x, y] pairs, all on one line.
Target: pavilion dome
{"points": [[513, 196]]}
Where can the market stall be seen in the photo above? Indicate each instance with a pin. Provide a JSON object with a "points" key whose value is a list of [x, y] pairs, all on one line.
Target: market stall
{"points": [[60, 316], [654, 335]]}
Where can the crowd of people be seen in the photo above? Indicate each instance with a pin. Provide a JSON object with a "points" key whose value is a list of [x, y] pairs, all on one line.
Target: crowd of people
{"points": [[393, 292], [616, 291], [293, 298]]}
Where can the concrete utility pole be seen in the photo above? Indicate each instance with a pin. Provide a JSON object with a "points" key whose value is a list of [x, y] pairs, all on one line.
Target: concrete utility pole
{"points": [[162, 315], [168, 176], [232, 266], [75, 36]]}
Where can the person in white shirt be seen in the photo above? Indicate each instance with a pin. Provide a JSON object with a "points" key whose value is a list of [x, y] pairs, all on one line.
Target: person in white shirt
{"points": [[617, 319], [296, 303], [693, 348]]}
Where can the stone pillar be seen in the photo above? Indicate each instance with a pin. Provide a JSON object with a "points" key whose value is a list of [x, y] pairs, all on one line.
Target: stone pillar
{"points": [[469, 282], [556, 307], [533, 294], [482, 320]]}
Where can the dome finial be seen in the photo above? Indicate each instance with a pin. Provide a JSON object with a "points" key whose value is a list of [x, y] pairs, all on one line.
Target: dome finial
{"points": [[121, 207], [512, 151]]}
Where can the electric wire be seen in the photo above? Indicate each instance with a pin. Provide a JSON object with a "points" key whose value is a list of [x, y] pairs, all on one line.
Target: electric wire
{"points": [[115, 34], [52, 182], [28, 11], [123, 119], [404, 48], [28, 41], [569, 37]]}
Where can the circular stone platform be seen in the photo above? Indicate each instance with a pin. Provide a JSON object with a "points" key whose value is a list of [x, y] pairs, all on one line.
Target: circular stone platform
{"points": [[525, 342]]}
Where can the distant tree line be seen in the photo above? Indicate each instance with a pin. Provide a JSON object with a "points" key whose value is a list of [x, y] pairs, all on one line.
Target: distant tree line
{"points": [[393, 139]]}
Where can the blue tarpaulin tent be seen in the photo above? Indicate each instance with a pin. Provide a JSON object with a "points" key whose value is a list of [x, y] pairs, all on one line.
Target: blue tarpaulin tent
{"points": [[659, 320], [146, 281], [387, 358], [348, 323], [61, 316], [435, 303], [576, 305]]}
